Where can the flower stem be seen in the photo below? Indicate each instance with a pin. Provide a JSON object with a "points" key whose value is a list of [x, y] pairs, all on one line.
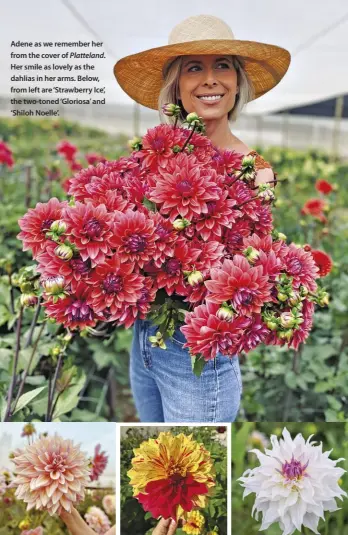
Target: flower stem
{"points": [[28, 186], [12, 299], [26, 371], [188, 139], [51, 406], [14, 370], [33, 325]]}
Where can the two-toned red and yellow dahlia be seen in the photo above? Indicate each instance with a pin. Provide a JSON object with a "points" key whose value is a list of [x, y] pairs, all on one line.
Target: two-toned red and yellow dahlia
{"points": [[171, 475]]}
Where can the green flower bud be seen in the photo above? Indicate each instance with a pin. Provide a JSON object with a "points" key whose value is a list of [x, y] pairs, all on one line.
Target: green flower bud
{"points": [[29, 300], [251, 254], [194, 278], [287, 320], [181, 224], [135, 143], [54, 285], [58, 227], [64, 252], [272, 325], [171, 110], [282, 236], [282, 297], [157, 341], [225, 313]]}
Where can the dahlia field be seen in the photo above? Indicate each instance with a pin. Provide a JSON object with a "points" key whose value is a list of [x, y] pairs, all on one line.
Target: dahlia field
{"points": [[317, 471], [58, 314], [189, 487]]}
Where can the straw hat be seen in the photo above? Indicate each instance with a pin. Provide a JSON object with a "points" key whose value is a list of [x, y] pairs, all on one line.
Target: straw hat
{"points": [[141, 75]]}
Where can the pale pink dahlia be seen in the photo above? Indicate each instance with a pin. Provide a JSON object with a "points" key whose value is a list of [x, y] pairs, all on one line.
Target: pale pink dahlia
{"points": [[97, 520], [51, 474], [37, 531], [245, 286], [109, 504]]}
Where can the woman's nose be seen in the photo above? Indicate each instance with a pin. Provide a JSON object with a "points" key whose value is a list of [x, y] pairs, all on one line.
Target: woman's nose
{"points": [[210, 77]]}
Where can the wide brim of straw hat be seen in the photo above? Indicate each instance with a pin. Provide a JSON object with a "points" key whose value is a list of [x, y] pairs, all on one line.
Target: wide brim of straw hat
{"points": [[141, 75]]}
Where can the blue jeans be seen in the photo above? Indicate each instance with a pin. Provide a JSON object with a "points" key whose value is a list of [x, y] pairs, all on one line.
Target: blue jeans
{"points": [[165, 388]]}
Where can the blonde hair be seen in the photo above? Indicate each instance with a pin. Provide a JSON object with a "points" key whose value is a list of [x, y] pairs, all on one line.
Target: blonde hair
{"points": [[170, 89]]}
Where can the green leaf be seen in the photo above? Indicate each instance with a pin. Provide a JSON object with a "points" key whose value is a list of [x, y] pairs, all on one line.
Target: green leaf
{"points": [[149, 205], [197, 364], [147, 516], [69, 399], [26, 398], [5, 358]]}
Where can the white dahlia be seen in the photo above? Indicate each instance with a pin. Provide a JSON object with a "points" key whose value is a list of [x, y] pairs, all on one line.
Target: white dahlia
{"points": [[295, 484]]}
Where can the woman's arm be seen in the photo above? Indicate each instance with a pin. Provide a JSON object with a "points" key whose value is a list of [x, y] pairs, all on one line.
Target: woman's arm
{"points": [[264, 175]]}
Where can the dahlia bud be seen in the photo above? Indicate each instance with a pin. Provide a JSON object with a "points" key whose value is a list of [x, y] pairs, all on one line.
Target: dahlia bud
{"points": [[272, 325], [135, 143], [286, 334], [307, 247], [176, 149], [192, 118], [294, 299], [251, 254], [29, 300], [11, 455], [54, 285], [287, 320], [58, 227], [248, 167], [281, 236], [190, 148], [195, 277], [304, 291], [56, 351], [171, 110], [323, 298], [157, 341], [26, 287], [282, 297], [67, 337], [181, 224], [24, 524], [64, 252], [266, 193], [225, 312]]}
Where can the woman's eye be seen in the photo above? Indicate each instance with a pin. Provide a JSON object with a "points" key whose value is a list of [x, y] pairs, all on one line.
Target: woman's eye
{"points": [[224, 64], [194, 67]]}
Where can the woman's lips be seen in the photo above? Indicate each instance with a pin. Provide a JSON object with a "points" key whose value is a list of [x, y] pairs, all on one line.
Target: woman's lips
{"points": [[210, 102]]}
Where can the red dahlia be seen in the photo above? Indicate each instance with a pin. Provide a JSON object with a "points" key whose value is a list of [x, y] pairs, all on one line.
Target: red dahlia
{"points": [[140, 309], [36, 222], [300, 265], [323, 262], [134, 237], [184, 188], [315, 208], [233, 238], [245, 286], [66, 149], [90, 230], [74, 311], [99, 462], [323, 186], [114, 285], [171, 275], [220, 213], [6, 157], [157, 146], [163, 496]]}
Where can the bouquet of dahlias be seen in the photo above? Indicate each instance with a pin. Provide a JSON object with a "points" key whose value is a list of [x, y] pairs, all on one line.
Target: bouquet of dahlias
{"points": [[51, 474], [172, 475], [177, 232]]}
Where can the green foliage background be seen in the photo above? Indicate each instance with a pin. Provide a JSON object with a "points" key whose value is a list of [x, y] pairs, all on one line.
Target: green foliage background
{"points": [[333, 436], [134, 521], [279, 384]]}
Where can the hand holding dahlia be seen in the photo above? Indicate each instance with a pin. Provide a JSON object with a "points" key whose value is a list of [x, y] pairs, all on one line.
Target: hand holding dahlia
{"points": [[171, 475], [295, 484], [51, 474]]}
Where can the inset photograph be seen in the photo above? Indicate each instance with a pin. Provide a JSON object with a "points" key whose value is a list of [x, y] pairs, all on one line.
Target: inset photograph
{"points": [[173, 480], [57, 478], [289, 478]]}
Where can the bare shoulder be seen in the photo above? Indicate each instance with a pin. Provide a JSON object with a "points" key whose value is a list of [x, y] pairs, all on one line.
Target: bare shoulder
{"points": [[264, 175]]}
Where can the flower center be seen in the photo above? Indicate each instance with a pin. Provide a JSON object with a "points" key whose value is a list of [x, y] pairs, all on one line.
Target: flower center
{"points": [[211, 205], [79, 311], [46, 225], [112, 283], [173, 266], [184, 186], [93, 228], [161, 231], [243, 296], [295, 266], [294, 469], [79, 266], [177, 480], [136, 243]]}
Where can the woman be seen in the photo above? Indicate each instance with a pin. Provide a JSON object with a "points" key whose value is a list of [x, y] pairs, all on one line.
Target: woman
{"points": [[203, 69]]}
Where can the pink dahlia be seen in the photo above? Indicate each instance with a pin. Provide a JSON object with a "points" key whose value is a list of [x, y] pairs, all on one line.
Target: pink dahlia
{"points": [[302, 333], [86, 177], [245, 286], [90, 230], [211, 256], [263, 222], [94, 158], [74, 311], [134, 237], [97, 520], [99, 463], [166, 237], [51, 474], [241, 194], [73, 270], [171, 275], [157, 146], [228, 162], [37, 531], [6, 156], [114, 285], [141, 308], [220, 213], [109, 504], [36, 222], [300, 265], [254, 334], [183, 188], [233, 238], [207, 334]]}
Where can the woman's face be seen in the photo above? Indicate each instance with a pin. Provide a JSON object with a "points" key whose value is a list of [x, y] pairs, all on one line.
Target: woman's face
{"points": [[208, 75]]}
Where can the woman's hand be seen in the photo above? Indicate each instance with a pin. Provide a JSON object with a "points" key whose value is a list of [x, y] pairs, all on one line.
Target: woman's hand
{"points": [[77, 526], [165, 527]]}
